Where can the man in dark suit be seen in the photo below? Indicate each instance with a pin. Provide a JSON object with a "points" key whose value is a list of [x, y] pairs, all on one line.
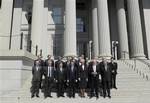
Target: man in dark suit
{"points": [[36, 79], [41, 64], [60, 79], [49, 73], [72, 78], [94, 75], [49, 57], [83, 77], [106, 74], [114, 67], [58, 62]]}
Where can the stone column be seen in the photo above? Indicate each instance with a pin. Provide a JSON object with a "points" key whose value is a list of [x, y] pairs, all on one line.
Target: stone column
{"points": [[122, 29], [104, 30], [70, 28], [135, 30], [5, 23], [16, 29], [95, 28], [37, 25], [45, 43]]}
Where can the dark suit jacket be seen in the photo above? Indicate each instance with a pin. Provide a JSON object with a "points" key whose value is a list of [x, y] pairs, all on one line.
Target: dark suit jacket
{"points": [[41, 62], [53, 72], [46, 62], [72, 75], [114, 67], [58, 62], [83, 74], [106, 75], [91, 70], [37, 75], [60, 76]]}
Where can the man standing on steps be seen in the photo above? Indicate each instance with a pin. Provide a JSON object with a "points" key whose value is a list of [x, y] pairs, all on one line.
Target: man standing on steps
{"points": [[106, 74], [72, 74], [60, 79], [36, 79], [114, 67], [49, 57], [94, 75], [83, 78], [49, 73], [41, 64]]}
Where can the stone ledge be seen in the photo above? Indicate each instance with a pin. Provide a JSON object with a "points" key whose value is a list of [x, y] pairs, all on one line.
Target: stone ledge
{"points": [[16, 54]]}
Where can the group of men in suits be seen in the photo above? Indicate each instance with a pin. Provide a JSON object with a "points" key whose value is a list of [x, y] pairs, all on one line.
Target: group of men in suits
{"points": [[73, 75]]}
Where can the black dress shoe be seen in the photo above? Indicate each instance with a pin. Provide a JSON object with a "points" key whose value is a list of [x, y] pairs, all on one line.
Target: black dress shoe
{"points": [[109, 96], [62, 96], [115, 87], [32, 96], [97, 97], [50, 96], [37, 96]]}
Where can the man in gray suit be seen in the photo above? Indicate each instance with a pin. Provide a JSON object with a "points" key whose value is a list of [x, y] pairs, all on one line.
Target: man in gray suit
{"points": [[106, 74], [36, 79]]}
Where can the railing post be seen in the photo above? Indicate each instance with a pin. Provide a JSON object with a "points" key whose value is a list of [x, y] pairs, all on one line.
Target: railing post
{"points": [[36, 51], [30, 46], [41, 52], [21, 41]]}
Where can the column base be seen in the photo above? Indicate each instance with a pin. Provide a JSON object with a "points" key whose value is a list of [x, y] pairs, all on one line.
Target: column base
{"points": [[124, 56], [138, 56], [105, 56], [70, 55]]}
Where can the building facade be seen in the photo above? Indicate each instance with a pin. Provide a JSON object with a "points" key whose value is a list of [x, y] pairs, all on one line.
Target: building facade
{"points": [[75, 27], [97, 28]]}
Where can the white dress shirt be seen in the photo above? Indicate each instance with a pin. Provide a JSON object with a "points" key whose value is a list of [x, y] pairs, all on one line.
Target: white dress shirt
{"points": [[94, 68], [83, 67], [37, 68], [49, 71]]}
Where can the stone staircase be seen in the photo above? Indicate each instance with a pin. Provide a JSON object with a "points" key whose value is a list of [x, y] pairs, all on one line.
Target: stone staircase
{"points": [[132, 88]]}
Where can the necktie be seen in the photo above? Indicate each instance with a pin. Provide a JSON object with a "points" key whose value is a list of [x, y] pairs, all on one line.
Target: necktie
{"points": [[83, 67], [37, 68], [72, 68], [106, 66], [48, 71]]}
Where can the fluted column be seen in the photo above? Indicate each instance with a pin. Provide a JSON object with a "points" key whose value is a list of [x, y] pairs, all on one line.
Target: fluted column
{"points": [[95, 28], [104, 30], [37, 24], [46, 43], [135, 30], [70, 28], [16, 28], [122, 30]]}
